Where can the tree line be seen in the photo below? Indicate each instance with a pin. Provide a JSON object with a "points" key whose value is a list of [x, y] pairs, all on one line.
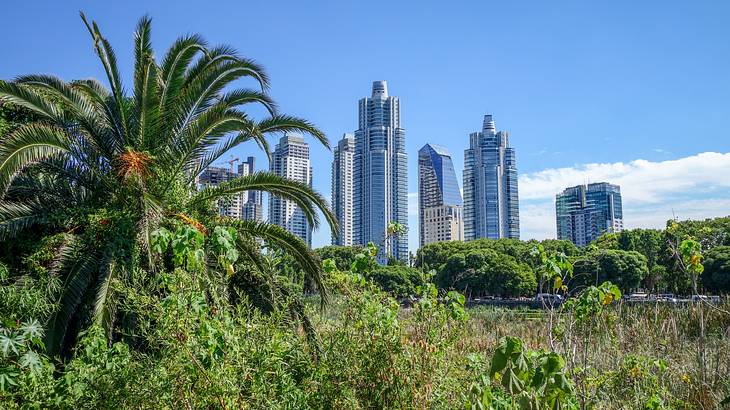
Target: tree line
{"points": [[632, 259]]}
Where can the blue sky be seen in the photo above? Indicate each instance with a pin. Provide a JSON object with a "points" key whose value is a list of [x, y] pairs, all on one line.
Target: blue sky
{"points": [[636, 93]]}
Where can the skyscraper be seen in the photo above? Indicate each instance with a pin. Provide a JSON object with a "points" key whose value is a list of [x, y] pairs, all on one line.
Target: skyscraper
{"points": [[342, 188], [251, 201], [290, 159], [585, 212], [380, 174], [439, 200], [211, 176], [491, 204]]}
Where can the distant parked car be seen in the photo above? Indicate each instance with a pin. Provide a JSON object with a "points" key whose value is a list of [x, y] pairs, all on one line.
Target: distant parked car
{"points": [[666, 297], [638, 297], [549, 298], [706, 298]]}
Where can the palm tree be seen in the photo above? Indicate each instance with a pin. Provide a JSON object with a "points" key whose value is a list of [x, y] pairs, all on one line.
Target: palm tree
{"points": [[104, 168]]}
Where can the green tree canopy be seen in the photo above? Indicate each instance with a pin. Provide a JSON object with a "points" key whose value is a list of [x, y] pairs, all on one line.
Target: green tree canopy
{"points": [[625, 269], [400, 281], [716, 277], [486, 272]]}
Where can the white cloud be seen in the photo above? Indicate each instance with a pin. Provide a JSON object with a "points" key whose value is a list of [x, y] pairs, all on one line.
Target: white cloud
{"points": [[694, 187], [640, 180]]}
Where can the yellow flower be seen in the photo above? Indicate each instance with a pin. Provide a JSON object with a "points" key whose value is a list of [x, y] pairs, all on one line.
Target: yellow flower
{"points": [[685, 378]]}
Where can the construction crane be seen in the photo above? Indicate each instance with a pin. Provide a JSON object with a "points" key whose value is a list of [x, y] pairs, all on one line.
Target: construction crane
{"points": [[231, 162]]}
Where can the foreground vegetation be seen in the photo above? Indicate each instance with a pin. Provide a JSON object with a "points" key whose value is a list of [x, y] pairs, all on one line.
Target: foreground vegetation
{"points": [[121, 287], [188, 350]]}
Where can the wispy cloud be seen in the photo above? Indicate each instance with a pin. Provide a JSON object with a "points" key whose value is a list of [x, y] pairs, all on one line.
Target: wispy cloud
{"points": [[693, 187]]}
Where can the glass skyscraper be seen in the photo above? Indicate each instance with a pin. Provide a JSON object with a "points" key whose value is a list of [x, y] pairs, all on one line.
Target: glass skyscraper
{"points": [[491, 203], [342, 188], [290, 159], [380, 174], [439, 199], [585, 212]]}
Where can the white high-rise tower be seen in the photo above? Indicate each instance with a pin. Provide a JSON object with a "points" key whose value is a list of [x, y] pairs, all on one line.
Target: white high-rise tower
{"points": [[342, 188], [290, 159]]}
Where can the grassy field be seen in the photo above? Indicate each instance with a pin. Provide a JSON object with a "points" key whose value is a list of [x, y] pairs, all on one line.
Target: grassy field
{"points": [[627, 356]]}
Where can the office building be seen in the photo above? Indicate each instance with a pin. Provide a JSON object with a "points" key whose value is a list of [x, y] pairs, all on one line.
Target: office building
{"points": [[290, 159], [251, 201], [229, 206], [380, 174], [491, 203], [585, 212], [342, 189], [439, 199]]}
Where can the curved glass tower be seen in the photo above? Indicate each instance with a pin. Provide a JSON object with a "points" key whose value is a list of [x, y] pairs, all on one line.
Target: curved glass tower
{"points": [[380, 174], [491, 204], [439, 198]]}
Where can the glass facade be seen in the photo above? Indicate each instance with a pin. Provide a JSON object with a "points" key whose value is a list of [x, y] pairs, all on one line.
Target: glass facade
{"points": [[380, 176], [585, 212], [491, 201], [290, 160], [439, 198]]}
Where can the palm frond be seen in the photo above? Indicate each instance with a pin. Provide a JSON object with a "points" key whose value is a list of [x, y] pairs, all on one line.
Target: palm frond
{"points": [[291, 244], [221, 55], [286, 123], [245, 96], [171, 75], [219, 150], [302, 194], [80, 107], [28, 144], [80, 270], [32, 100], [146, 106], [109, 61], [104, 300], [16, 217], [201, 94]]}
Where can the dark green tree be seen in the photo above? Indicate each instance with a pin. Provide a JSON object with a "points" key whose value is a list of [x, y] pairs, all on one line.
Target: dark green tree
{"points": [[624, 269], [400, 281], [716, 277]]}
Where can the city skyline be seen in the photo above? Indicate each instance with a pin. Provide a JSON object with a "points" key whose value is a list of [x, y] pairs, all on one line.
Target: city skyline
{"points": [[554, 83]]}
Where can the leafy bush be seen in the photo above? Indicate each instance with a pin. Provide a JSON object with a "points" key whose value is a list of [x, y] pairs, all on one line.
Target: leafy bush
{"points": [[523, 378]]}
